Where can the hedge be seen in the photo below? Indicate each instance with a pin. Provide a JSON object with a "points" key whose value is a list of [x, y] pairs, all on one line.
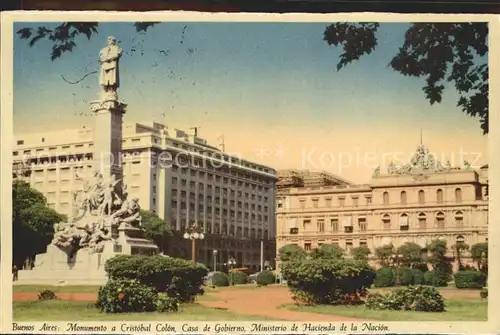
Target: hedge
{"points": [[433, 278], [328, 281], [405, 276], [177, 277], [238, 277], [265, 278], [384, 278], [220, 279], [126, 296], [417, 277], [411, 298], [469, 279]]}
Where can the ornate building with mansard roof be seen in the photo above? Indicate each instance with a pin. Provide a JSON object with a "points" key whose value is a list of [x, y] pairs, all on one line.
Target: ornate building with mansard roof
{"points": [[417, 202]]}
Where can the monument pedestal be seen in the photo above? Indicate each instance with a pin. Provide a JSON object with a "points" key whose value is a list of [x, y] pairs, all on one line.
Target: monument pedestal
{"points": [[108, 121], [55, 267]]}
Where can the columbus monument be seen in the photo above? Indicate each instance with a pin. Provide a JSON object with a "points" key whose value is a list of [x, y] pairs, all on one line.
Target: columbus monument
{"points": [[106, 221]]}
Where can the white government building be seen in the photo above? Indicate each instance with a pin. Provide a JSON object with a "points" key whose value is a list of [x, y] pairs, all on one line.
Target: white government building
{"points": [[175, 174]]}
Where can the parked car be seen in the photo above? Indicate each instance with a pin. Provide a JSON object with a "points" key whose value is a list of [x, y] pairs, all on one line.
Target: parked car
{"points": [[253, 278]]}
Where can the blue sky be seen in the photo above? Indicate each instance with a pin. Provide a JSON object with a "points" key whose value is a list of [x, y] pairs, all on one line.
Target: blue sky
{"points": [[262, 85]]}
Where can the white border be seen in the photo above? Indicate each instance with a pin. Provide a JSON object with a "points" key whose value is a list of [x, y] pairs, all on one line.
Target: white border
{"points": [[6, 127]]}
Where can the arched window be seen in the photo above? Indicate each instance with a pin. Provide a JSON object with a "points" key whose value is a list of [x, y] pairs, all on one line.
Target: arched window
{"points": [[421, 197], [404, 222], [385, 197], [439, 195], [422, 221], [459, 219], [440, 220], [458, 195], [403, 197], [460, 239], [386, 221]]}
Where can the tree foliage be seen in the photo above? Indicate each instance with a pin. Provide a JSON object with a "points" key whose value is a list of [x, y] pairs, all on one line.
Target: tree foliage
{"points": [[410, 254], [32, 222], [64, 36], [385, 254], [330, 251], [441, 53], [291, 252], [361, 253], [479, 254], [459, 248], [441, 264], [155, 228]]}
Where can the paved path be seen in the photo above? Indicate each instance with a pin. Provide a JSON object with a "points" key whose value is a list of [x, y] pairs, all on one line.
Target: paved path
{"points": [[266, 302]]}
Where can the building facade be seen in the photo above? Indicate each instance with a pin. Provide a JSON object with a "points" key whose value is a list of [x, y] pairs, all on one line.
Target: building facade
{"points": [[176, 175], [416, 203]]}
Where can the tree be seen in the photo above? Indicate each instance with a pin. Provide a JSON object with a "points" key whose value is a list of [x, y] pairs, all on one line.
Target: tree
{"points": [[479, 254], [459, 248], [155, 228], [64, 36], [441, 264], [410, 254], [331, 251], [32, 222], [361, 253], [291, 252], [439, 52], [385, 254]]}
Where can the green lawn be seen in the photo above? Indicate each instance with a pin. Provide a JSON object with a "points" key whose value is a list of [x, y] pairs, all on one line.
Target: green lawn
{"points": [[456, 310], [57, 310], [94, 288], [55, 289]]}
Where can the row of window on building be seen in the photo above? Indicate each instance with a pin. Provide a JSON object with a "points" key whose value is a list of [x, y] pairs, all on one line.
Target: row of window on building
{"points": [[239, 184], [218, 211], [225, 229], [385, 199], [347, 225]]}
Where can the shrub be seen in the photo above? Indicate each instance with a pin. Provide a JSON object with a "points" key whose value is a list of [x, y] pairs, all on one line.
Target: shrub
{"points": [[47, 295], [411, 298], [265, 278], [220, 279], [238, 277], [125, 296], [384, 278], [328, 281], [422, 267], [469, 279], [432, 278], [181, 279], [417, 277], [164, 303], [484, 293], [405, 276]]}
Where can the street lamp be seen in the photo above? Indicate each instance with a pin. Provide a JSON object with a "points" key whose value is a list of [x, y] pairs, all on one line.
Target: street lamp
{"points": [[193, 233], [231, 262], [215, 260]]}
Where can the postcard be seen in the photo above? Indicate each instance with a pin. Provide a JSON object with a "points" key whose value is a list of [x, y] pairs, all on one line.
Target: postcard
{"points": [[195, 173]]}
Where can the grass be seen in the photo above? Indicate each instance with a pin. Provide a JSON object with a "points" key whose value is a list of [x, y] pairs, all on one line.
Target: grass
{"points": [[94, 288], [55, 289], [57, 310], [456, 310]]}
